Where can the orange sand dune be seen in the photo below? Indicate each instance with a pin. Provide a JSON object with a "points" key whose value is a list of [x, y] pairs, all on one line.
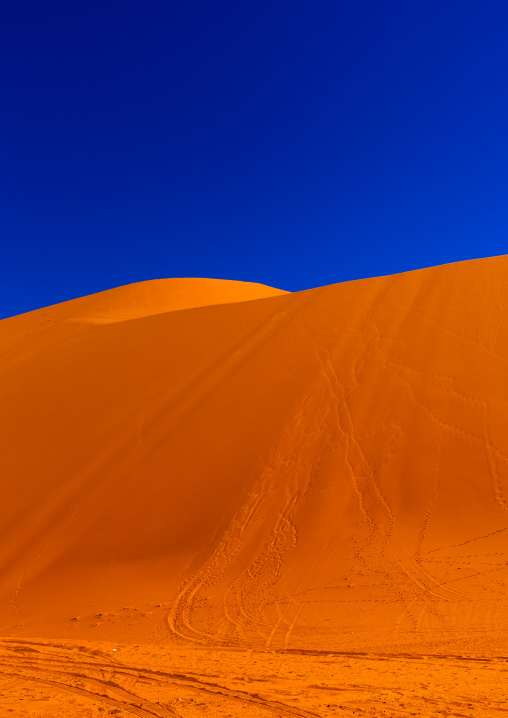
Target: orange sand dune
{"points": [[324, 471]]}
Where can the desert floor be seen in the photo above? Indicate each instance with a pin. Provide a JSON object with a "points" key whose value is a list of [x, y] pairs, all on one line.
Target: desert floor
{"points": [[89, 679]]}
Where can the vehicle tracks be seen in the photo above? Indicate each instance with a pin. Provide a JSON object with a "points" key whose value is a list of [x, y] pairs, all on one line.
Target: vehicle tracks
{"points": [[112, 682]]}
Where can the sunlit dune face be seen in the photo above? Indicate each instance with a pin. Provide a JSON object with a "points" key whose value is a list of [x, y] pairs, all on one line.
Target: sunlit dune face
{"points": [[225, 464]]}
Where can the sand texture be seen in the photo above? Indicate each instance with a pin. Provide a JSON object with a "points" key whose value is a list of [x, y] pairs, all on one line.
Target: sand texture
{"points": [[208, 483]]}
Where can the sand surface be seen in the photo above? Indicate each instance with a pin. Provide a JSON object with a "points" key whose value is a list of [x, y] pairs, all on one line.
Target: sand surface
{"points": [[219, 498]]}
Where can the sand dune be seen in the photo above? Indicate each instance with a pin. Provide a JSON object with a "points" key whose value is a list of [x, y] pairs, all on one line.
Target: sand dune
{"points": [[207, 463]]}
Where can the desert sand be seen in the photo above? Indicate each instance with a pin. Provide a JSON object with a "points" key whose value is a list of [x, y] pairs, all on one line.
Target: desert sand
{"points": [[223, 499]]}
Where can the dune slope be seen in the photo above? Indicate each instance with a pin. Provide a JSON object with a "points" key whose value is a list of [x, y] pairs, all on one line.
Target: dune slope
{"points": [[230, 465]]}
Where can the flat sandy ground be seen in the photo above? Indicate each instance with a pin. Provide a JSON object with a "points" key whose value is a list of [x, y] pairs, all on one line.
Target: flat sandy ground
{"points": [[84, 680]]}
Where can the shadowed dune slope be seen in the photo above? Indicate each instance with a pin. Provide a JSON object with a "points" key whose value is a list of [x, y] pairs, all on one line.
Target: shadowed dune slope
{"points": [[324, 470]]}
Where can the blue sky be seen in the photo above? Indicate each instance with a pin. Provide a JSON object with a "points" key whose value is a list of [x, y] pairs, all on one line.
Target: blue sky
{"points": [[295, 144]]}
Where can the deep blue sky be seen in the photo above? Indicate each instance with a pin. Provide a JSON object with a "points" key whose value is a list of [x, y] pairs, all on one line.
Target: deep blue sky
{"points": [[294, 143]]}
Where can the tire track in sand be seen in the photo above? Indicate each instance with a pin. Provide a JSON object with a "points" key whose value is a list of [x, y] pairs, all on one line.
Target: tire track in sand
{"points": [[63, 670]]}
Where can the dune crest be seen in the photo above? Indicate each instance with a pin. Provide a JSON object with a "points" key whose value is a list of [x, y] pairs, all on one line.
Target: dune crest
{"points": [[157, 296], [320, 470]]}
